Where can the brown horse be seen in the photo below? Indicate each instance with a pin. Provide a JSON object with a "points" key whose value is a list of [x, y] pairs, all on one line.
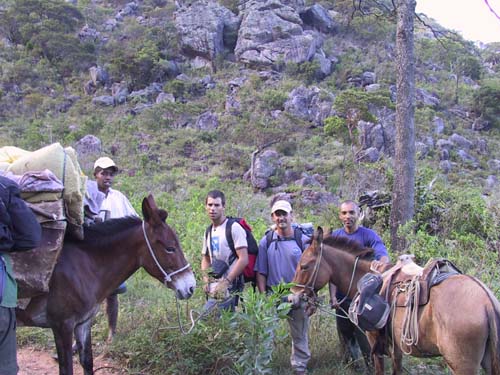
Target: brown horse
{"points": [[88, 271], [461, 321]]}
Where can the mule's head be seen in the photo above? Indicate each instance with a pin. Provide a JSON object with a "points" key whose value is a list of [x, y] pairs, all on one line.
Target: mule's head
{"points": [[311, 274], [164, 259]]}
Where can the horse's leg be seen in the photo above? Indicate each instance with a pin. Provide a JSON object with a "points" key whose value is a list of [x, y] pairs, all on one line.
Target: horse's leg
{"points": [[376, 342], [397, 361], [365, 347], [63, 337], [112, 314], [84, 343], [378, 363]]}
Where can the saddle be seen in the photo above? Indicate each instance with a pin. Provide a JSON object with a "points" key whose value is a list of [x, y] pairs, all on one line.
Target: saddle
{"points": [[403, 281]]}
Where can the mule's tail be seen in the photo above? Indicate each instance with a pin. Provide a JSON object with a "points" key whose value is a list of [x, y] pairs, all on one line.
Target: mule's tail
{"points": [[493, 312], [494, 337]]}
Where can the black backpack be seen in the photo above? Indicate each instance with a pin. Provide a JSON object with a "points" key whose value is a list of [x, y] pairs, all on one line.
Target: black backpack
{"points": [[253, 247], [19, 228], [298, 232]]}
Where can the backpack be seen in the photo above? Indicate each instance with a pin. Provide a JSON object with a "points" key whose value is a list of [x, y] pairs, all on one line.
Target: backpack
{"points": [[19, 228], [298, 231], [253, 247]]}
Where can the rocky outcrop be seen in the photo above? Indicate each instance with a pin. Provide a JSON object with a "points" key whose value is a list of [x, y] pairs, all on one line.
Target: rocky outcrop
{"points": [[88, 148], [310, 104], [206, 29], [318, 17], [207, 121], [272, 32], [266, 165]]}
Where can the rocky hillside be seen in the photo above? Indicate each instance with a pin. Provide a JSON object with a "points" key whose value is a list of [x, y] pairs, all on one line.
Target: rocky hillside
{"points": [[287, 95]]}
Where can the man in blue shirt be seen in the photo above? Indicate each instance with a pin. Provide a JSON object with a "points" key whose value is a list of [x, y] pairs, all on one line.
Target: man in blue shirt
{"points": [[276, 262], [352, 339]]}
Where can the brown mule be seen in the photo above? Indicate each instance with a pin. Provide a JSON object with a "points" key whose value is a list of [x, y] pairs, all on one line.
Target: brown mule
{"points": [[461, 321], [90, 270]]}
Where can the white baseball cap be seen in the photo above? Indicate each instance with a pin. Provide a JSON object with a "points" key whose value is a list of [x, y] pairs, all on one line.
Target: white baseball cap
{"points": [[281, 205], [104, 163]]}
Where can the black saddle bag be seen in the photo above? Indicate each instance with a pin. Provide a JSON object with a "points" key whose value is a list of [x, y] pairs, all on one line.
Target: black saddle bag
{"points": [[368, 309]]}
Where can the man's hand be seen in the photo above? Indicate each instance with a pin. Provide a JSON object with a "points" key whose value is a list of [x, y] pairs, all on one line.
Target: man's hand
{"points": [[295, 300], [310, 308], [220, 290], [334, 303]]}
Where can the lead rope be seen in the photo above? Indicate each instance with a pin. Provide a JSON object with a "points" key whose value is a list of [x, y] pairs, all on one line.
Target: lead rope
{"points": [[350, 285]]}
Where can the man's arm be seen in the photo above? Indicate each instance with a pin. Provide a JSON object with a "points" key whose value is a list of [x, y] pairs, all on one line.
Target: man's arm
{"points": [[205, 265], [240, 264], [261, 282]]}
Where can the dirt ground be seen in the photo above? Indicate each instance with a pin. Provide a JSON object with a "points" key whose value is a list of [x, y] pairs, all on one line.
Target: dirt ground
{"points": [[37, 362]]}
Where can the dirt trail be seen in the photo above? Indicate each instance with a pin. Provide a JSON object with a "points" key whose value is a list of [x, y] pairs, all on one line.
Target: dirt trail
{"points": [[39, 362]]}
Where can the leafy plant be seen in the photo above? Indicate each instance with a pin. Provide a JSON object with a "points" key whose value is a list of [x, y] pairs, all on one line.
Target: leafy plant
{"points": [[257, 329], [487, 101]]}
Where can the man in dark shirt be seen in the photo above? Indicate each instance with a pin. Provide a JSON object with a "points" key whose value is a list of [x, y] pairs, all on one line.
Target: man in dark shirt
{"points": [[352, 339]]}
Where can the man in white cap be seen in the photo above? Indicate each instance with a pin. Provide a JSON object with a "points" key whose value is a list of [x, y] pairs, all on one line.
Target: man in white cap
{"points": [[279, 254], [114, 205]]}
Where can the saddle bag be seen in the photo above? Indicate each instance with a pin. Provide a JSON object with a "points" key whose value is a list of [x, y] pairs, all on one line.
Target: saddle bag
{"points": [[369, 310]]}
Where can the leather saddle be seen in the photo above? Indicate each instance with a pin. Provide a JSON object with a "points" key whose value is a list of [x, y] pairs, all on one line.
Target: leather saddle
{"points": [[406, 278]]}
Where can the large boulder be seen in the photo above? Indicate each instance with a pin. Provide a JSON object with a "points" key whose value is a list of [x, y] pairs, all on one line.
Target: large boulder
{"points": [[461, 141], [207, 121], [318, 17], [272, 32], [206, 28], [88, 149], [310, 104], [266, 165], [379, 136]]}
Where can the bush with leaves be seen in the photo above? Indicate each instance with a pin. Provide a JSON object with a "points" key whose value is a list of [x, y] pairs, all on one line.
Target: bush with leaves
{"points": [[47, 29], [487, 101]]}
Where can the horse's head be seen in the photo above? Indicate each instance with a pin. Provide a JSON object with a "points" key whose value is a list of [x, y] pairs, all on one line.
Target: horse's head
{"points": [[310, 275], [165, 259]]}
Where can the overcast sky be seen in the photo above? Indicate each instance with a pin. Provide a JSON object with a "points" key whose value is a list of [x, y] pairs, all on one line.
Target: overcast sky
{"points": [[471, 18]]}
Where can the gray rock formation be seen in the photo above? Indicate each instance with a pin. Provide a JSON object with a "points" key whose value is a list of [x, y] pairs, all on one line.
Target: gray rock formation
{"points": [[309, 104], [272, 32], [460, 141], [266, 165], [88, 149], [207, 121], [318, 17], [206, 28]]}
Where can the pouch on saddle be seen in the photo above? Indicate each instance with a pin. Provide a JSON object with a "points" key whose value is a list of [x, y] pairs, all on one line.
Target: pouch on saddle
{"points": [[369, 310], [403, 279]]}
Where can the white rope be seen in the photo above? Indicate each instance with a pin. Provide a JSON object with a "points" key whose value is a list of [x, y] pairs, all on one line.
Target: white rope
{"points": [[167, 276], [409, 333]]}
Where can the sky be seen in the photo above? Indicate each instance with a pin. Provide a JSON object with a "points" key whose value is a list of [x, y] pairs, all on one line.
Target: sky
{"points": [[472, 18]]}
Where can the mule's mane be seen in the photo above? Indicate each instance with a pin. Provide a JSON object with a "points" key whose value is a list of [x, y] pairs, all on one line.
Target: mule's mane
{"points": [[105, 233], [351, 246]]}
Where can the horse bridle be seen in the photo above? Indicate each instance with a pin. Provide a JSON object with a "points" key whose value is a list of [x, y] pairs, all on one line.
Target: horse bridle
{"points": [[314, 275], [167, 276]]}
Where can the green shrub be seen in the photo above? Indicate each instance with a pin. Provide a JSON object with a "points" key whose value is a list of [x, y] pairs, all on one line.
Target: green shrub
{"points": [[274, 99], [336, 126], [487, 101]]}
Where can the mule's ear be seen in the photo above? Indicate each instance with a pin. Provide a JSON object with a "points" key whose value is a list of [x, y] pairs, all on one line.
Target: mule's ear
{"points": [[318, 236], [149, 208], [163, 214]]}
